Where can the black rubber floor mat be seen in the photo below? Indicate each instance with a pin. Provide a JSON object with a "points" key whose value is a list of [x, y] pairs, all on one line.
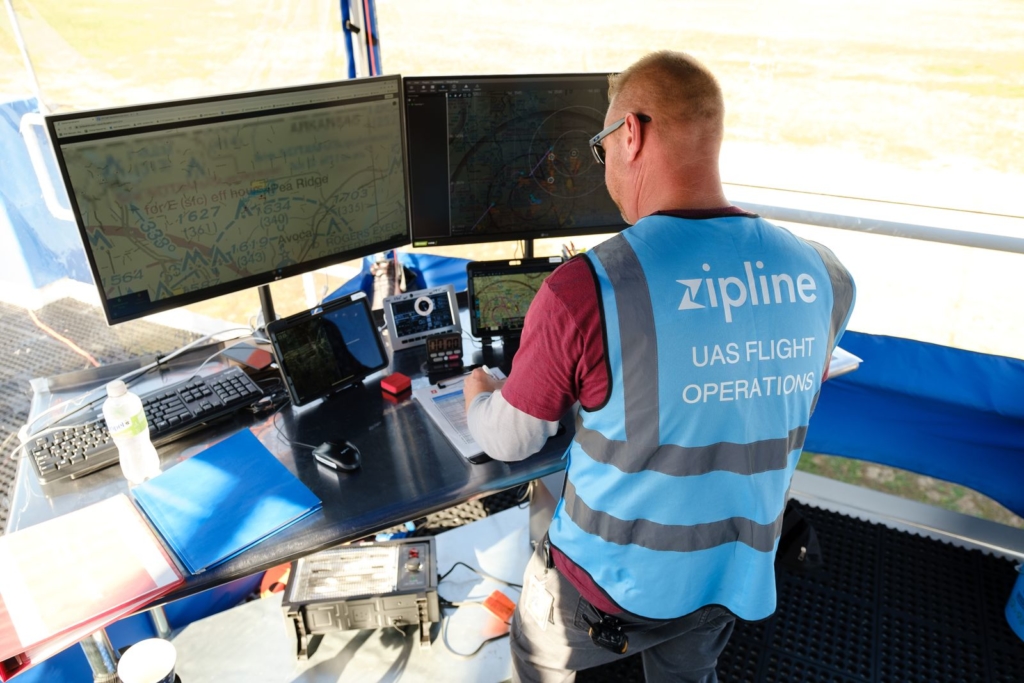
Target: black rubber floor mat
{"points": [[457, 515], [886, 607], [29, 352]]}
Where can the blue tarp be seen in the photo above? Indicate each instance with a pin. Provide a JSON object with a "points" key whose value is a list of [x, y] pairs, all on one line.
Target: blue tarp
{"points": [[428, 270], [50, 247], [938, 411]]}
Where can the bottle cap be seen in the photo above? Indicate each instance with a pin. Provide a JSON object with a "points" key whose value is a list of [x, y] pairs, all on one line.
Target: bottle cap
{"points": [[116, 388]]}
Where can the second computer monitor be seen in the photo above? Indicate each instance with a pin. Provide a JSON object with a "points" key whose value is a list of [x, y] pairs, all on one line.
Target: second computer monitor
{"points": [[506, 157]]}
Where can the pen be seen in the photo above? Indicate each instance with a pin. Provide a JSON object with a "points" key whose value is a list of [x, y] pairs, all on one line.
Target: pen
{"points": [[455, 379]]}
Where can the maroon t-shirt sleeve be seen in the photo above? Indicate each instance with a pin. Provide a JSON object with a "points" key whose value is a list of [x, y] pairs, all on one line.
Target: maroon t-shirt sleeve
{"points": [[561, 354]]}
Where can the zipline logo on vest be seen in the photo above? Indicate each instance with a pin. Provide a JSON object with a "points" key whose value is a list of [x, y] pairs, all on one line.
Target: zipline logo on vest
{"points": [[734, 292]]}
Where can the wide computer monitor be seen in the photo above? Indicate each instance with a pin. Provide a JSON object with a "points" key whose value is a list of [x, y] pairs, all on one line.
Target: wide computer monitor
{"points": [[506, 158], [181, 201]]}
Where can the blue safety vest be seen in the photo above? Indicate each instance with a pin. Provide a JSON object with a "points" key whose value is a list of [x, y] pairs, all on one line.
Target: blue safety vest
{"points": [[717, 333]]}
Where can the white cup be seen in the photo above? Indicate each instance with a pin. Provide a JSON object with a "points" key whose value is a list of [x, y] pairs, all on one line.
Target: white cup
{"points": [[148, 661]]}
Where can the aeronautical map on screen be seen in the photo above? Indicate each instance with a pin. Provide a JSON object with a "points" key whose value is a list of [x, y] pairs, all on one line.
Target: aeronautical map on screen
{"points": [[504, 299], [174, 211], [521, 159]]}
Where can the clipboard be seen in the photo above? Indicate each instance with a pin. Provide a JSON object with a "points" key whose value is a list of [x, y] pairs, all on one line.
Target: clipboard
{"points": [[446, 406], [842, 362]]}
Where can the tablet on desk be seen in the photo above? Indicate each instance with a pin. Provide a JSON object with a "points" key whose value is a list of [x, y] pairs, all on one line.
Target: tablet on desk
{"points": [[326, 349], [500, 293]]}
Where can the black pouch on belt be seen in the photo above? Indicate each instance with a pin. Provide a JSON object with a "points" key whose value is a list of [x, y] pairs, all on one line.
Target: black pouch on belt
{"points": [[608, 633]]}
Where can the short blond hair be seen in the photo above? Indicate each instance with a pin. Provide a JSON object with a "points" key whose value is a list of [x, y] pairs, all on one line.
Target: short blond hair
{"points": [[670, 85]]}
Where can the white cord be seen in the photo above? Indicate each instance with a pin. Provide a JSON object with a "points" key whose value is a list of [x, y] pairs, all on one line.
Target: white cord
{"points": [[76, 402], [25, 444]]}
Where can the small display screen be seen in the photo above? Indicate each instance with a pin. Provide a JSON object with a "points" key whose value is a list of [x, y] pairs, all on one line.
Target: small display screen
{"points": [[422, 314], [502, 295], [444, 343], [329, 350]]}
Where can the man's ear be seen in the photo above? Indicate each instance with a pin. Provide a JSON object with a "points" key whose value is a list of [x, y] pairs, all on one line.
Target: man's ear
{"points": [[634, 134]]}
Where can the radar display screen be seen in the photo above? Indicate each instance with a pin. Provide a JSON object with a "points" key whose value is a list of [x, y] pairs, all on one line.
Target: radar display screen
{"points": [[506, 157], [182, 201]]}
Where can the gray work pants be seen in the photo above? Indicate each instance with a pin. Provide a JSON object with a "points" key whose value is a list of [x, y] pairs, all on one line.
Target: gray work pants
{"points": [[684, 649]]}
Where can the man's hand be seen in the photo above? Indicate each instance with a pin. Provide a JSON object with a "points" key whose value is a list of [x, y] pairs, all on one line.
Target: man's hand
{"points": [[477, 383]]}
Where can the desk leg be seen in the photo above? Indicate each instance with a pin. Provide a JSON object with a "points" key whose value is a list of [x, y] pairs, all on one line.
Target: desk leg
{"points": [[102, 657], [160, 623]]}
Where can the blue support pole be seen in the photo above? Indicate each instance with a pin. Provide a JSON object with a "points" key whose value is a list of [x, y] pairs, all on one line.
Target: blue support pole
{"points": [[346, 28]]}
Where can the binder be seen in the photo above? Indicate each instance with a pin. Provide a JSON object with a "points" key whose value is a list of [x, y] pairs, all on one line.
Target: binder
{"points": [[62, 579], [224, 500]]}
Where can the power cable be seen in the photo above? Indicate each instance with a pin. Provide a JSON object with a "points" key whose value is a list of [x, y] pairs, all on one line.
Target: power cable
{"points": [[465, 655], [481, 573], [449, 604], [80, 403]]}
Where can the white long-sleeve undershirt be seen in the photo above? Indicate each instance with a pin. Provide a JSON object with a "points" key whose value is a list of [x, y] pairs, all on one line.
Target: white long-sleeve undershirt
{"points": [[505, 432]]}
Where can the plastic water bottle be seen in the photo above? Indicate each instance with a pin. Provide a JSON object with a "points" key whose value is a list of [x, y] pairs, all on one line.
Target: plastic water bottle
{"points": [[127, 424]]}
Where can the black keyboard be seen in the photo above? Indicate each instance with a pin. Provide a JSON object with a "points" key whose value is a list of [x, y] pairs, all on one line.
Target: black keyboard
{"points": [[171, 412]]}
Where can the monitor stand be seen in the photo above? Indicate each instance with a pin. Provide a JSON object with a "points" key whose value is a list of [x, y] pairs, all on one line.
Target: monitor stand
{"points": [[501, 359], [509, 347], [327, 419]]}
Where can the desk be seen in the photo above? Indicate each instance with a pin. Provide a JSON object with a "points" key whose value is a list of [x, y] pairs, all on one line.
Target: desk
{"points": [[408, 468]]}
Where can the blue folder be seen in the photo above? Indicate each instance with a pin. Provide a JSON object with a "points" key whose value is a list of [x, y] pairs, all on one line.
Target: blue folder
{"points": [[223, 501]]}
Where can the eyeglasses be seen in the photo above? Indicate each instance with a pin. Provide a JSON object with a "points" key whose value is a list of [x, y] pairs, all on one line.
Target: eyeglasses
{"points": [[595, 142]]}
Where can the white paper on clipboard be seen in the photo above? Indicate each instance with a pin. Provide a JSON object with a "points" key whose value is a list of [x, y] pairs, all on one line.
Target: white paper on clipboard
{"points": [[447, 409]]}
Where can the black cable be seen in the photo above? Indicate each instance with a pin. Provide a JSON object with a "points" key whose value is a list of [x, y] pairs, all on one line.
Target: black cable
{"points": [[273, 418], [483, 574], [472, 341], [465, 655], [276, 380], [523, 499]]}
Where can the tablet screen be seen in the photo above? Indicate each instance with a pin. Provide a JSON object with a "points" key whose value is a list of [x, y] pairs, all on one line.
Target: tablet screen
{"points": [[327, 349]]}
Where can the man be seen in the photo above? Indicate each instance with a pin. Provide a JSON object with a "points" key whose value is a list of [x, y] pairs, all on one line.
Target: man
{"points": [[695, 343]]}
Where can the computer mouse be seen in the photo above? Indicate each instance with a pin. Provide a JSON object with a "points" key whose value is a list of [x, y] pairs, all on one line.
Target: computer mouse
{"points": [[342, 456]]}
